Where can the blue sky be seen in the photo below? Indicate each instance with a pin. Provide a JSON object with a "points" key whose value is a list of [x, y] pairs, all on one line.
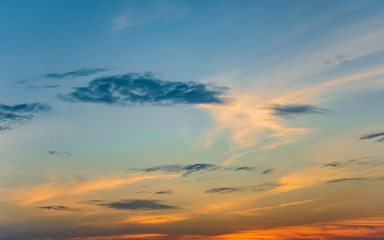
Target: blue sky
{"points": [[191, 119]]}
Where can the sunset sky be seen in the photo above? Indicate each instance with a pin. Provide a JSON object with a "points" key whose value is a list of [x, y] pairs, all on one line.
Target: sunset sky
{"points": [[192, 120]]}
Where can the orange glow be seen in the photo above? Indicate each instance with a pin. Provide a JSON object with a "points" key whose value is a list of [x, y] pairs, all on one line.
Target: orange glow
{"points": [[155, 219]]}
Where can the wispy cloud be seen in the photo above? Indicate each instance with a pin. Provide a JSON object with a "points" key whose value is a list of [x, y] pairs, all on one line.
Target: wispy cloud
{"points": [[145, 88], [164, 192], [121, 22], [82, 72], [198, 167], [348, 163], [137, 204], [292, 110], [378, 136], [259, 188], [11, 114], [58, 208], [45, 191], [355, 180], [59, 153]]}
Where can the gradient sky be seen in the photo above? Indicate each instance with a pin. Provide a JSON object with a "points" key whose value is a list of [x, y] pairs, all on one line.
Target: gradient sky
{"points": [[192, 120]]}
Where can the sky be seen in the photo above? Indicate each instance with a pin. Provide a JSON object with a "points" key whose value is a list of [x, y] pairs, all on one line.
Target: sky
{"points": [[191, 120]]}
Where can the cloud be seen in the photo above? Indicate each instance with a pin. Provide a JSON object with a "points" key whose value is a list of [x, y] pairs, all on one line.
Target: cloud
{"points": [[192, 168], [348, 163], [137, 204], [145, 88], [292, 110], [374, 135], [82, 72], [58, 208], [259, 188], [20, 113], [121, 23], [268, 171], [164, 192], [354, 180], [185, 169], [58, 153], [222, 190]]}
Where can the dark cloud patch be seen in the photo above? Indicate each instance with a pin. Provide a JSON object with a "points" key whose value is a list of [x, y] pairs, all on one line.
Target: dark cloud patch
{"points": [[244, 169], [223, 190], [164, 192], [20, 113], [293, 110], [136, 88], [58, 153], [137, 204], [185, 169], [268, 171], [58, 208], [82, 72], [348, 163], [198, 167], [341, 180], [355, 180], [378, 136], [258, 188]]}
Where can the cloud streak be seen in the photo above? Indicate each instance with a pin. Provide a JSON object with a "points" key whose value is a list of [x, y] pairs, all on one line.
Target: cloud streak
{"points": [[57, 208], [82, 72], [378, 136], [198, 167], [136, 88], [137, 204], [259, 188], [293, 110]]}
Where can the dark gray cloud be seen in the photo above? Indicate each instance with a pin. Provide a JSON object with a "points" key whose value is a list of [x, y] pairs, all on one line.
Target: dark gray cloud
{"points": [[378, 136], [268, 171], [137, 204], [244, 169], [349, 163], [58, 153], [223, 190], [355, 180], [58, 208], [258, 188], [164, 192], [82, 72], [293, 110], [185, 169], [341, 180], [198, 167], [136, 88], [20, 113]]}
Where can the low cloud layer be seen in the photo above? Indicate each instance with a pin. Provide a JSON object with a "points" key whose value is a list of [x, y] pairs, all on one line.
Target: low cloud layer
{"points": [[20, 113], [136, 204], [293, 110], [136, 88]]}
